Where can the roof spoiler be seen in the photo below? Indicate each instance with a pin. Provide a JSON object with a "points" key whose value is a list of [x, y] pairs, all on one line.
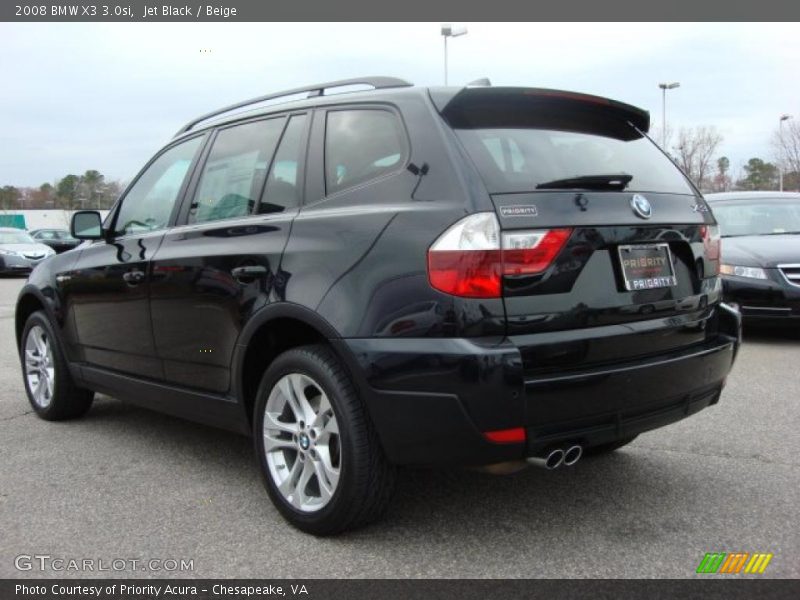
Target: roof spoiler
{"points": [[506, 107]]}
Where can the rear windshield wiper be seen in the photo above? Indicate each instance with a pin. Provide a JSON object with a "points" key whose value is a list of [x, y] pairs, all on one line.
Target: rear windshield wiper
{"points": [[610, 181]]}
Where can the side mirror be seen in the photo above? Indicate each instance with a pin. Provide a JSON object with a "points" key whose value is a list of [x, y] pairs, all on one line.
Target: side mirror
{"points": [[86, 225]]}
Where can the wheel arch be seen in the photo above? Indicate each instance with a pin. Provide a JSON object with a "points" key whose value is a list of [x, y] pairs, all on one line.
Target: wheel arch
{"points": [[30, 300], [273, 330]]}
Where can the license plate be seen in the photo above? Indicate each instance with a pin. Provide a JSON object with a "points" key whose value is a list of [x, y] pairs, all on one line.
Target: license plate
{"points": [[647, 267]]}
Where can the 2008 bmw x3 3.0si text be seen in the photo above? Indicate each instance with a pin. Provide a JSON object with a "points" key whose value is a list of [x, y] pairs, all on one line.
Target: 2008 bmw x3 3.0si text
{"points": [[400, 275]]}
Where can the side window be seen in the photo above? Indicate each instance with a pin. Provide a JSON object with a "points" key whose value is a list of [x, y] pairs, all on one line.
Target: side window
{"points": [[148, 204], [283, 186], [360, 144], [235, 171]]}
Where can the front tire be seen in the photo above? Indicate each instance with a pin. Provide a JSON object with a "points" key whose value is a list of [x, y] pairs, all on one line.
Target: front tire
{"points": [[48, 382], [321, 460]]}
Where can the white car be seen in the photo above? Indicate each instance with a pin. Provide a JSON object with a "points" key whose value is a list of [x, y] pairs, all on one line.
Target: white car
{"points": [[19, 252]]}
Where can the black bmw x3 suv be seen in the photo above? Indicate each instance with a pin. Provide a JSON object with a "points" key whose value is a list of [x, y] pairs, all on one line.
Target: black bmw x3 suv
{"points": [[392, 276]]}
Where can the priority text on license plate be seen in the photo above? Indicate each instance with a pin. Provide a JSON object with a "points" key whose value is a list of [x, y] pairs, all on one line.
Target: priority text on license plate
{"points": [[647, 266]]}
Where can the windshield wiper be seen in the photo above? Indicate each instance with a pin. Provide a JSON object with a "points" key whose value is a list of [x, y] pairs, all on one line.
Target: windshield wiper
{"points": [[782, 233], [609, 181]]}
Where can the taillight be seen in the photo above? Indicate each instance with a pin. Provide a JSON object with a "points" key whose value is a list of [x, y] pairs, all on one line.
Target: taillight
{"points": [[711, 245], [471, 257], [530, 252]]}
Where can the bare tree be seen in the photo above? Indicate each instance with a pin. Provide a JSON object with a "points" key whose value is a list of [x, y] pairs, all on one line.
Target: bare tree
{"points": [[694, 153], [786, 145], [657, 135]]}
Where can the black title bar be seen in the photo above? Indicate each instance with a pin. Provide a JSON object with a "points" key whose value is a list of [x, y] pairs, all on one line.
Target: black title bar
{"points": [[405, 10], [332, 589]]}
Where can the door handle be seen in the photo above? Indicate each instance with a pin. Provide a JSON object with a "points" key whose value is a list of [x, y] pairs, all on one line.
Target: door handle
{"points": [[249, 273], [134, 277]]}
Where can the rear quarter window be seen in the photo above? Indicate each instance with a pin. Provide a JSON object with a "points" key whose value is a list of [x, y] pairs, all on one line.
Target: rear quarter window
{"points": [[361, 145]]}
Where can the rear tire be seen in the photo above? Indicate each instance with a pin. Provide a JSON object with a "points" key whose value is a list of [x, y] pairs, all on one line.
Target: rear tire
{"points": [[48, 382], [321, 460], [610, 447]]}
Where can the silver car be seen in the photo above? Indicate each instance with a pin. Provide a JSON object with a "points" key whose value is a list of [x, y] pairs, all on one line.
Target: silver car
{"points": [[19, 252]]}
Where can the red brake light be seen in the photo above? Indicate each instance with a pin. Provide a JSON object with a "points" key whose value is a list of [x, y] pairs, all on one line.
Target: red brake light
{"points": [[471, 257], [468, 273], [544, 247]]}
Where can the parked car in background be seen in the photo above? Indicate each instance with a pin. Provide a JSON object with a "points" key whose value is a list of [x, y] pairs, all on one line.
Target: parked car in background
{"points": [[760, 252], [444, 276], [19, 252], [59, 240]]}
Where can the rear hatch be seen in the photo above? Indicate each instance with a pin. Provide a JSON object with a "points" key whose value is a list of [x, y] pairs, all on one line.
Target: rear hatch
{"points": [[635, 271]]}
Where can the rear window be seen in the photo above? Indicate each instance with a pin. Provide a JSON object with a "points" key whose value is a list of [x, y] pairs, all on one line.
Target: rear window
{"points": [[520, 159]]}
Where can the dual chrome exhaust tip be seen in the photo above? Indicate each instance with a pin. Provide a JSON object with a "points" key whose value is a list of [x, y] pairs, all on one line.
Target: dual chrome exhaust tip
{"points": [[557, 457]]}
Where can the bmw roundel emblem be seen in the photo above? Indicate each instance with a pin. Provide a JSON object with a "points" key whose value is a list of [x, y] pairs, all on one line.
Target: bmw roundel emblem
{"points": [[641, 206]]}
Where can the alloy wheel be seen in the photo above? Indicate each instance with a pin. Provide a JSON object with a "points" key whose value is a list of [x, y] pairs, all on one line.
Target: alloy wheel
{"points": [[39, 368], [301, 442]]}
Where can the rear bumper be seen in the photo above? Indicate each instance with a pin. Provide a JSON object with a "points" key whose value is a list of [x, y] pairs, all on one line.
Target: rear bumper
{"points": [[431, 399]]}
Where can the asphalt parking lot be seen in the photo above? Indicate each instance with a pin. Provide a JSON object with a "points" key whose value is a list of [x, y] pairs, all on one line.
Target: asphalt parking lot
{"points": [[131, 484]]}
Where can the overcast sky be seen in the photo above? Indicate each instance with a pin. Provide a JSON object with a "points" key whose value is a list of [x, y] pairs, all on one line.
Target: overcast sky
{"points": [[107, 96]]}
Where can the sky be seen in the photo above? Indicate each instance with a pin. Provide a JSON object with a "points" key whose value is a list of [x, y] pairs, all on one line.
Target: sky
{"points": [[107, 96]]}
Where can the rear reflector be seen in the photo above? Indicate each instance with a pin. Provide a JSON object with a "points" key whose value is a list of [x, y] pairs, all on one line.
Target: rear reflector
{"points": [[515, 435], [471, 257]]}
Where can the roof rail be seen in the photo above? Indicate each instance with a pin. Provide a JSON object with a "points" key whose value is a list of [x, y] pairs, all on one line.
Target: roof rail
{"points": [[377, 83]]}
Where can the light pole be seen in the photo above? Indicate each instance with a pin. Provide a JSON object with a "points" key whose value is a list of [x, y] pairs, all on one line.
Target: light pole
{"points": [[447, 32], [780, 139], [664, 87]]}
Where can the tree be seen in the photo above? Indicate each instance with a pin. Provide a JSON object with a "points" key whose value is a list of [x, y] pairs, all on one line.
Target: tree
{"points": [[67, 191], [759, 175], [722, 180], [786, 145], [89, 188], [694, 153], [9, 197]]}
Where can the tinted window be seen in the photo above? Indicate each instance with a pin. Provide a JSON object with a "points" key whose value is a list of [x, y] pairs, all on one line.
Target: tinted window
{"points": [[518, 159], [148, 203], [360, 145], [235, 171], [283, 185]]}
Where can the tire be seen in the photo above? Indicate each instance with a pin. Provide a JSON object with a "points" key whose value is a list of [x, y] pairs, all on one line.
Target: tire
{"points": [[328, 473], [610, 447], [57, 398]]}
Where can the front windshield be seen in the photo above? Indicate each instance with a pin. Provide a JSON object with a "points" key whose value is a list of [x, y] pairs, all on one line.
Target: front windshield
{"points": [[769, 216], [15, 237]]}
